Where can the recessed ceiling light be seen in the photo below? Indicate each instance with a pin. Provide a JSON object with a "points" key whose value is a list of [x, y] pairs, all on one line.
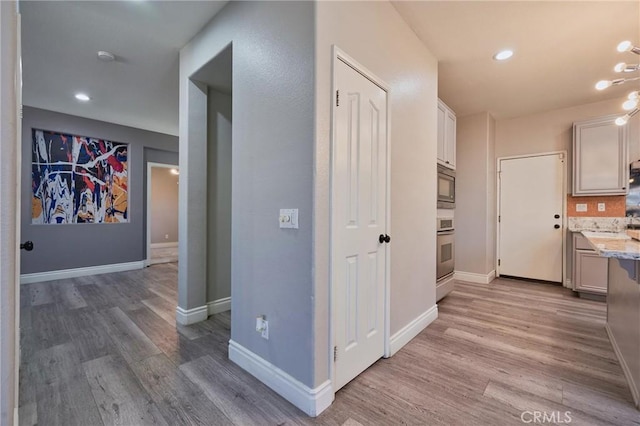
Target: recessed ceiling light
{"points": [[105, 56], [82, 97], [502, 55], [174, 171]]}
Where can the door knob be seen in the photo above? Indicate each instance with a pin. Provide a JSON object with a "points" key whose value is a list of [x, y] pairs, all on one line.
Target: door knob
{"points": [[383, 238], [556, 226], [557, 216], [27, 245]]}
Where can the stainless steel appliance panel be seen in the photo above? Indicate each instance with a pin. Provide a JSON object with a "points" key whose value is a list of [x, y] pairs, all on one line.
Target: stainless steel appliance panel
{"points": [[446, 188], [445, 262]]}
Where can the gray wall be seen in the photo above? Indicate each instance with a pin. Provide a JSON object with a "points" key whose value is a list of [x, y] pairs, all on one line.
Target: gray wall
{"points": [[164, 206], [272, 168], [218, 196], [68, 246], [9, 197]]}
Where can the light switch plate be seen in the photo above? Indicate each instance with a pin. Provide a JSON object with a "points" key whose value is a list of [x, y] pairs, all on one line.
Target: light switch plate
{"points": [[288, 218], [601, 207], [581, 207]]}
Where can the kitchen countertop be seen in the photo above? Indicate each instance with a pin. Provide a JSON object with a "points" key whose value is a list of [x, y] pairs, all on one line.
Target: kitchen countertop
{"points": [[613, 244]]}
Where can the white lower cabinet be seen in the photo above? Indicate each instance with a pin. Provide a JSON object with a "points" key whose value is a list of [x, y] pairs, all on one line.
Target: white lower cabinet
{"points": [[590, 271]]}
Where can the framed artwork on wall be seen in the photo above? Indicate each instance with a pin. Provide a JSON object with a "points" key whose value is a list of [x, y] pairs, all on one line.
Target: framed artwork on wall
{"points": [[78, 179]]}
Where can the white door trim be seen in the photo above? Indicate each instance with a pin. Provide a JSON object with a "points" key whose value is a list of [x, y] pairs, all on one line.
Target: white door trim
{"points": [[564, 207], [18, 89], [340, 55], [150, 165]]}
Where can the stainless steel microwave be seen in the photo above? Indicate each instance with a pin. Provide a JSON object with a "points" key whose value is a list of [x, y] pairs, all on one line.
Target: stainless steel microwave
{"points": [[446, 188]]}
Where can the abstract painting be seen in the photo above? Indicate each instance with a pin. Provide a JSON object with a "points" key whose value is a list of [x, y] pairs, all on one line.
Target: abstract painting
{"points": [[78, 179]]}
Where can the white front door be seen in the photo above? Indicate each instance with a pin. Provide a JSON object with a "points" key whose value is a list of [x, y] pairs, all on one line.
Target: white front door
{"points": [[358, 220], [531, 210]]}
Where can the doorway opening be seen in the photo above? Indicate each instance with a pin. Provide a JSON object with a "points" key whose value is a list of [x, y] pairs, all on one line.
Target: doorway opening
{"points": [[214, 81], [162, 213]]}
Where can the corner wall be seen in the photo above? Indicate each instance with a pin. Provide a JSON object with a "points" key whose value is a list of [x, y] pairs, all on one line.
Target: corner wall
{"points": [[68, 246], [219, 196], [374, 34], [475, 196], [272, 168]]}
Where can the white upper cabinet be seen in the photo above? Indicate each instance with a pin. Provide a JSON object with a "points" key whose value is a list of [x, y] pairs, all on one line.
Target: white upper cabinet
{"points": [[446, 136], [600, 165]]}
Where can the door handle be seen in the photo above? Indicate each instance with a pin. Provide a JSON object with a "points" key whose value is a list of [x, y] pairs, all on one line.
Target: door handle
{"points": [[383, 238], [556, 226], [27, 245]]}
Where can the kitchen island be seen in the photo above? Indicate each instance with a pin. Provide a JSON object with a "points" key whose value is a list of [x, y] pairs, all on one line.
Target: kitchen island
{"points": [[623, 300]]}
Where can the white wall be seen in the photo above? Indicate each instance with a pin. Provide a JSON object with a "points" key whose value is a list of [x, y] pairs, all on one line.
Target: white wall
{"points": [[475, 194], [376, 36], [9, 155]]}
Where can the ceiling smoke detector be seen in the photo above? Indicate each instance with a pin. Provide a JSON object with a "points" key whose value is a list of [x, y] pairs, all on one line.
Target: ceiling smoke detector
{"points": [[105, 56]]}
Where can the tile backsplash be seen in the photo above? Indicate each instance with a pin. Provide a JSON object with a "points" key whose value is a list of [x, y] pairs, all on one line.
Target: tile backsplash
{"points": [[615, 206]]}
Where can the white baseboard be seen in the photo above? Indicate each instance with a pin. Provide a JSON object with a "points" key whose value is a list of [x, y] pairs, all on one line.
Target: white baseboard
{"points": [[568, 283], [311, 401], [625, 367], [79, 272], [411, 330], [191, 316], [220, 305], [163, 245], [472, 277], [158, 260]]}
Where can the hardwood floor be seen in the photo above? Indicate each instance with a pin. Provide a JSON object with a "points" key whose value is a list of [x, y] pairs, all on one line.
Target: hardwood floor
{"points": [[106, 350]]}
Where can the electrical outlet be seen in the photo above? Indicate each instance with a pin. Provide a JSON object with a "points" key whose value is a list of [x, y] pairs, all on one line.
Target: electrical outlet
{"points": [[166, 236], [262, 326], [601, 207]]}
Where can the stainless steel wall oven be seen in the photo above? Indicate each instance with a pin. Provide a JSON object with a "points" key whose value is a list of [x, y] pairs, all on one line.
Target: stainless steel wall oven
{"points": [[445, 260]]}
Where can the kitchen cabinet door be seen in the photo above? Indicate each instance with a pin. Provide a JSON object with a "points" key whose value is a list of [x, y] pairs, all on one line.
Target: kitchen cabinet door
{"points": [[600, 165], [591, 272], [446, 136], [442, 114]]}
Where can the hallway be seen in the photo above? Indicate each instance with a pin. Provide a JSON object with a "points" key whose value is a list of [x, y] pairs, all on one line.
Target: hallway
{"points": [[105, 350]]}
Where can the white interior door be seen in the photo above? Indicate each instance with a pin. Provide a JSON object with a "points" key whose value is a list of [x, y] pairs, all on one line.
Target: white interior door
{"points": [[531, 209], [358, 219]]}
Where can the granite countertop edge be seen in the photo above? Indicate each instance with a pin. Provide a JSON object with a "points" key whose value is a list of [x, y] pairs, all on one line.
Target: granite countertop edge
{"points": [[618, 245]]}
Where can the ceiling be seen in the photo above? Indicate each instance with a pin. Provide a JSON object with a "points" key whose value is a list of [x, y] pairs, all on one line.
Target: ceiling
{"points": [[60, 42], [562, 48]]}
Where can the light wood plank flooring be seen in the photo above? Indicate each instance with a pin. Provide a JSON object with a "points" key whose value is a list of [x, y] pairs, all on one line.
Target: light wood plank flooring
{"points": [[163, 255], [106, 350]]}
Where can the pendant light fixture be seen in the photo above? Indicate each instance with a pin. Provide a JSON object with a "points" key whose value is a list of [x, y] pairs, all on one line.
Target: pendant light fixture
{"points": [[633, 100]]}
